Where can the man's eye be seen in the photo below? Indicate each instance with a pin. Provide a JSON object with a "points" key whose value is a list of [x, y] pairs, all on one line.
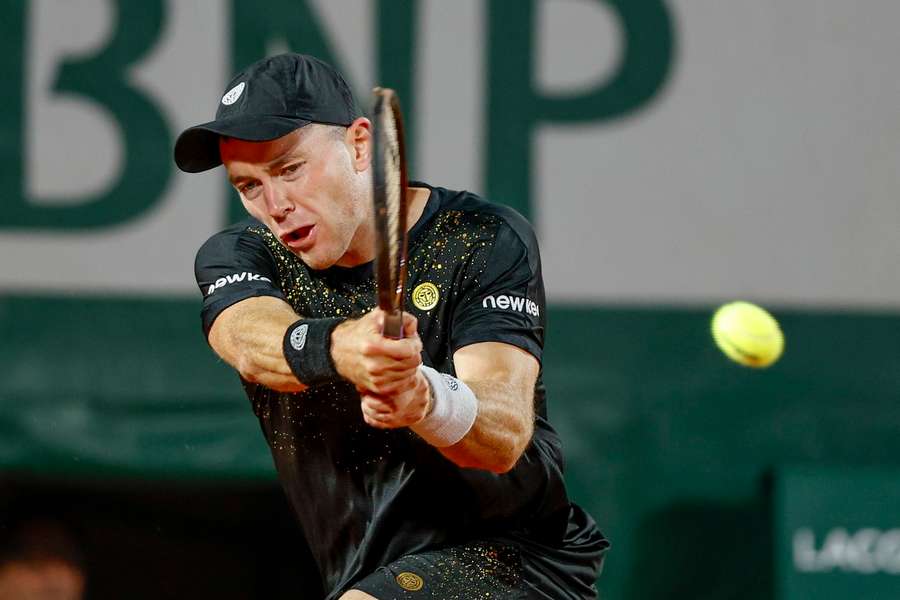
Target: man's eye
{"points": [[248, 188], [291, 169]]}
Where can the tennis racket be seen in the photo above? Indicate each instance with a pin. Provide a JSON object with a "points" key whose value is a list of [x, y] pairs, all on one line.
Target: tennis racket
{"points": [[389, 181]]}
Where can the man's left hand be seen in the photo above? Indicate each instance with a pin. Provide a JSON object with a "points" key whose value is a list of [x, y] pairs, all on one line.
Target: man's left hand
{"points": [[407, 406]]}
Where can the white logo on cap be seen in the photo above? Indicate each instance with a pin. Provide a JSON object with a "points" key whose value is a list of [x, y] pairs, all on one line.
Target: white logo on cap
{"points": [[233, 94]]}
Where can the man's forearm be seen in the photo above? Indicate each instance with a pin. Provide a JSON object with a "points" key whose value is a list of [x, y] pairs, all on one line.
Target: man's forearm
{"points": [[501, 431], [249, 337]]}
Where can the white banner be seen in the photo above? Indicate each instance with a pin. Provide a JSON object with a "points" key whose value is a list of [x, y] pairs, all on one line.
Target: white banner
{"points": [[765, 166]]}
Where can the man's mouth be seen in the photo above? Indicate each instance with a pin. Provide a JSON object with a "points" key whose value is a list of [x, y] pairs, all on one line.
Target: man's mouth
{"points": [[300, 238]]}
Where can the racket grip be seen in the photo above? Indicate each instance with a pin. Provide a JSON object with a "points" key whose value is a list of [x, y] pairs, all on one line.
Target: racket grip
{"points": [[393, 325]]}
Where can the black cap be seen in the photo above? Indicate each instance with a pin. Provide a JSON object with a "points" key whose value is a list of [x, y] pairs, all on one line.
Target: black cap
{"points": [[269, 99]]}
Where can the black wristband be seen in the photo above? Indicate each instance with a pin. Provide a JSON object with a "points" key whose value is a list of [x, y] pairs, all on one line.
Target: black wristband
{"points": [[307, 349]]}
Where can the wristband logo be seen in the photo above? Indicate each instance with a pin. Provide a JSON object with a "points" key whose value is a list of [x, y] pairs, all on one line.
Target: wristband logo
{"points": [[451, 382], [425, 296], [298, 337], [516, 303], [235, 278]]}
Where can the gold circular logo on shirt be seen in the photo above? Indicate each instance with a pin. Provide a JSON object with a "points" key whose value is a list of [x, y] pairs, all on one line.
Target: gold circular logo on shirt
{"points": [[425, 296], [410, 581]]}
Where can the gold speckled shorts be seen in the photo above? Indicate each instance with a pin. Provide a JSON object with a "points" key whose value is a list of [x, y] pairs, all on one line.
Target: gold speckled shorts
{"points": [[476, 570]]}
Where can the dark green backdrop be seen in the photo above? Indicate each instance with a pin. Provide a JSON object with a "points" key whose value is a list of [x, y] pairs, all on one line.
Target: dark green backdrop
{"points": [[669, 445]]}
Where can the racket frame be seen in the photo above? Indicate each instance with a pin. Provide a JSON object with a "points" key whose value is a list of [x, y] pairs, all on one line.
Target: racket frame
{"points": [[390, 291]]}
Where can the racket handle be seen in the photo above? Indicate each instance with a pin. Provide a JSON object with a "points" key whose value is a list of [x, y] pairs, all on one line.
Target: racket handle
{"points": [[393, 325]]}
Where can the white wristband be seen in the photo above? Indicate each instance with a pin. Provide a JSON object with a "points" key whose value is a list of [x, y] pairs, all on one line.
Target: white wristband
{"points": [[453, 410]]}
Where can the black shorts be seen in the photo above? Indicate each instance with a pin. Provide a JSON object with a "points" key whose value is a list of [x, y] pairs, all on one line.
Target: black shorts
{"points": [[509, 568], [483, 569]]}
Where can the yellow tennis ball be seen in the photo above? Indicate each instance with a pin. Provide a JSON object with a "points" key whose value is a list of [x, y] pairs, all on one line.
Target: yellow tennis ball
{"points": [[747, 334]]}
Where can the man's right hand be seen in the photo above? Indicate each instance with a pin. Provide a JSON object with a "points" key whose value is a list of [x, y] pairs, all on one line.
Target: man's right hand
{"points": [[372, 362]]}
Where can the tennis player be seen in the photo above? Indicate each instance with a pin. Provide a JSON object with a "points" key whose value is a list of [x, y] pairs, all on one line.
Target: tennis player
{"points": [[423, 467]]}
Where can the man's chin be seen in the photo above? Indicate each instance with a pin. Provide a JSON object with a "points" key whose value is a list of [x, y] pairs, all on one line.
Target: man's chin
{"points": [[312, 260]]}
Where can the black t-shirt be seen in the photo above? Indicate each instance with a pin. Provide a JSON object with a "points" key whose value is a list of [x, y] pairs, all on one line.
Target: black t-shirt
{"points": [[367, 496]]}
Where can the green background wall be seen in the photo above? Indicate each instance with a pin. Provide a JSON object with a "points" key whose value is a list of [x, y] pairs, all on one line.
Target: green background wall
{"points": [[669, 445]]}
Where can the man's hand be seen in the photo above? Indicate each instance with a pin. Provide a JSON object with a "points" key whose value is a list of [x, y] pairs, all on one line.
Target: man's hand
{"points": [[385, 372], [373, 363], [407, 406]]}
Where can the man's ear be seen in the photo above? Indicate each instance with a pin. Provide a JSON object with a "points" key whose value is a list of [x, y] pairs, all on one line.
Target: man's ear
{"points": [[359, 139]]}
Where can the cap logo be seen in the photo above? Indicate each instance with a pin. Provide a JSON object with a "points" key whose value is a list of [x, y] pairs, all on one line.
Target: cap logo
{"points": [[233, 94]]}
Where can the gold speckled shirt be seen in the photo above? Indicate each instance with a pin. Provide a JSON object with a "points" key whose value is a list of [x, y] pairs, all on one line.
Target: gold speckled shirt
{"points": [[366, 496]]}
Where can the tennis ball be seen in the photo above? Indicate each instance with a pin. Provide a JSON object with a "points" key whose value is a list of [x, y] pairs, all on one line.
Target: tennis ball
{"points": [[747, 334]]}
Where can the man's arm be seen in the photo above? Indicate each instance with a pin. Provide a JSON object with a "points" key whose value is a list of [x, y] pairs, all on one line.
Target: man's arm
{"points": [[484, 418], [502, 377], [248, 336]]}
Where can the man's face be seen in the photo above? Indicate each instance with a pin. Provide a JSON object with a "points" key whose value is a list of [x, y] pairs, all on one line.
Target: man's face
{"points": [[311, 189]]}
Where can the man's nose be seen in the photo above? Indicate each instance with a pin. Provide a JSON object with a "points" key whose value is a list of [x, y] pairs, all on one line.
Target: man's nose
{"points": [[277, 203]]}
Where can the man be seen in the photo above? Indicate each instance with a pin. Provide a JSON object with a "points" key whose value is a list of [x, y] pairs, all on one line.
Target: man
{"points": [[418, 468]]}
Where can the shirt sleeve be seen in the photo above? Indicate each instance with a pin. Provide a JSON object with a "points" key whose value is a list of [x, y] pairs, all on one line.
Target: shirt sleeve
{"points": [[503, 294], [232, 266]]}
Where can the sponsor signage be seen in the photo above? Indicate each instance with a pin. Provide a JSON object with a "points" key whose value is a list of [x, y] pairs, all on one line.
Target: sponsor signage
{"points": [[234, 278], [516, 303], [584, 116], [837, 534]]}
